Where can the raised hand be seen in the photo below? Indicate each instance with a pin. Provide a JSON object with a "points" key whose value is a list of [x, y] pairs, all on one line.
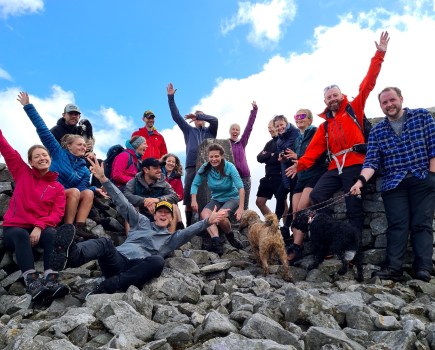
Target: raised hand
{"points": [[96, 169], [383, 42], [23, 98], [254, 105], [170, 89], [217, 216]]}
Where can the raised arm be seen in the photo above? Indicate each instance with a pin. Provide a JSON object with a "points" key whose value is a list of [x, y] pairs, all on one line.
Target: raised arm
{"points": [[46, 137], [248, 129], [13, 159], [176, 116], [123, 206]]}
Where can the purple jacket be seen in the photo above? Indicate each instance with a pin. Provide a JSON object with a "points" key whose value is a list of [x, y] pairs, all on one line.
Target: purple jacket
{"points": [[238, 147]]}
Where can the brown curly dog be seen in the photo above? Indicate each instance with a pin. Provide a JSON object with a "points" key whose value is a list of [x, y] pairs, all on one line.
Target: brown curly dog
{"points": [[266, 240]]}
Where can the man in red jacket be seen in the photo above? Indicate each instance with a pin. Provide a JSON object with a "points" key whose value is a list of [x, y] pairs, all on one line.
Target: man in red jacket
{"points": [[343, 133], [155, 141]]}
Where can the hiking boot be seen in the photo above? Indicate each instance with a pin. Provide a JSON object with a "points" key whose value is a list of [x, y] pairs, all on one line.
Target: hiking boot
{"points": [[62, 242], [422, 275], [233, 241], [294, 252], [57, 290], [388, 274], [35, 287], [216, 246], [83, 232]]}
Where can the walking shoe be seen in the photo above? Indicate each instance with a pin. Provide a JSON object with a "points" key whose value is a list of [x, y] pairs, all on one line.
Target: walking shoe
{"points": [[62, 243], [294, 252], [57, 290], [423, 275], [83, 232], [233, 241], [35, 287], [216, 246], [388, 274]]}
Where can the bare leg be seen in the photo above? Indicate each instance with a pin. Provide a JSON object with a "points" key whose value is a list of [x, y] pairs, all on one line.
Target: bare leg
{"points": [[72, 202], [261, 204], [212, 230], [85, 205]]}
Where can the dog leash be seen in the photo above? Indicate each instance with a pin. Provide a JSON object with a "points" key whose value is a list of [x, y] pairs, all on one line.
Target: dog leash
{"points": [[318, 205]]}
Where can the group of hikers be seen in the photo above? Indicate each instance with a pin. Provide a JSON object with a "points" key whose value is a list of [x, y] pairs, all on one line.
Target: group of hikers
{"points": [[54, 196]]}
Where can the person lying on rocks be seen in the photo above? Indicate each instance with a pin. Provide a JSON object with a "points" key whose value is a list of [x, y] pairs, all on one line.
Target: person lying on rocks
{"points": [[36, 208], [141, 257]]}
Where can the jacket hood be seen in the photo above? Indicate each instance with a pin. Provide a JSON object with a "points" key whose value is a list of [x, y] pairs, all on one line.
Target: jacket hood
{"points": [[343, 105]]}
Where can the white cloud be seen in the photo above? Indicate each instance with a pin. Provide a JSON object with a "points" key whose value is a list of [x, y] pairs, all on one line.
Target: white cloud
{"points": [[20, 7], [340, 55], [267, 19], [5, 75]]}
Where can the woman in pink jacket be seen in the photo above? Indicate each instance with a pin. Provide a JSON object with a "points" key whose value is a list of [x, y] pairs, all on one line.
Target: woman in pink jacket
{"points": [[126, 164], [36, 208]]}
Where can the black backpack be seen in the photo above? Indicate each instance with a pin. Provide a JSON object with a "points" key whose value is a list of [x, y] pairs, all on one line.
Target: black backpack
{"points": [[110, 157]]}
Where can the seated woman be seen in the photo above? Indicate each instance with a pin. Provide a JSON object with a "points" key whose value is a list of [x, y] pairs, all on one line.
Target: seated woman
{"points": [[173, 170], [36, 208], [227, 191], [68, 162], [127, 164], [306, 179], [238, 147]]}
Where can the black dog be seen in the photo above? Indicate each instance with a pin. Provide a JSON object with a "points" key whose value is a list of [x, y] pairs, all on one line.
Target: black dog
{"points": [[331, 235]]}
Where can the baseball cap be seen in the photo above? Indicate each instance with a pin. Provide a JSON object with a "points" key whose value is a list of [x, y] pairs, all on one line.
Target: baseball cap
{"points": [[72, 108], [149, 114], [147, 162], [164, 204]]}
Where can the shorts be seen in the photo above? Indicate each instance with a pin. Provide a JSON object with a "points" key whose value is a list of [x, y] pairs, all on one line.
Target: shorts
{"points": [[188, 179], [232, 204], [309, 182], [269, 186]]}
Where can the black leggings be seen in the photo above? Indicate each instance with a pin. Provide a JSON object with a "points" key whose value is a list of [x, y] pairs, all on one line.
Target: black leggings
{"points": [[18, 239]]}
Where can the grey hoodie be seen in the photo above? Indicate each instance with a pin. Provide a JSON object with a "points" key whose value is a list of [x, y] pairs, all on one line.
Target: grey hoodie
{"points": [[145, 238]]}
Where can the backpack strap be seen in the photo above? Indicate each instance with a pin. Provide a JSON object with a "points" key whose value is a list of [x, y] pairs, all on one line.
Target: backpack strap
{"points": [[351, 113]]}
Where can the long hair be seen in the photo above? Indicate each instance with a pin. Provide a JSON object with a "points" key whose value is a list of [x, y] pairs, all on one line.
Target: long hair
{"points": [[220, 168], [31, 149], [178, 167]]}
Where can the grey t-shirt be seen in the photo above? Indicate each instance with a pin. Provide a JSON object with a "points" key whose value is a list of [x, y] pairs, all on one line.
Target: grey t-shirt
{"points": [[397, 125]]}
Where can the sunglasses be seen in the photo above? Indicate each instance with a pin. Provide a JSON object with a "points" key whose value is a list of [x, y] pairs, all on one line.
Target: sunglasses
{"points": [[300, 116]]}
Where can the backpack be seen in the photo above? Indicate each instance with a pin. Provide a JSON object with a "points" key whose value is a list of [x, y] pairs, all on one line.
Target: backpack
{"points": [[110, 157]]}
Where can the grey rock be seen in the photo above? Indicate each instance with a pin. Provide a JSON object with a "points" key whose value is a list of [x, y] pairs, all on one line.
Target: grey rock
{"points": [[217, 267], [214, 325], [388, 323], [175, 333], [164, 313], [397, 340], [374, 256], [261, 327], [139, 301], [11, 278], [97, 301], [379, 226], [122, 320], [182, 265], [60, 344], [200, 257], [10, 304], [316, 337], [239, 342], [73, 318], [6, 188], [357, 335]]}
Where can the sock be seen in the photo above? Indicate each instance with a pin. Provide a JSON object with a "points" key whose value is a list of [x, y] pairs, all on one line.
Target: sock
{"points": [[189, 215]]}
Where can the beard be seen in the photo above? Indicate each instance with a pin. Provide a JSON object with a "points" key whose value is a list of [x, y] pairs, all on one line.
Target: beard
{"points": [[334, 105]]}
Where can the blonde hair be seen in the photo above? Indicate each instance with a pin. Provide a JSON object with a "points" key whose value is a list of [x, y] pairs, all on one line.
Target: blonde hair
{"points": [[68, 139]]}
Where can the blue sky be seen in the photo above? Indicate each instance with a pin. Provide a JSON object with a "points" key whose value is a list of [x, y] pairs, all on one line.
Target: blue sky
{"points": [[115, 58]]}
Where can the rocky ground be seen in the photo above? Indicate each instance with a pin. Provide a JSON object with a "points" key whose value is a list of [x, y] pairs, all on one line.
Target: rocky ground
{"points": [[203, 301]]}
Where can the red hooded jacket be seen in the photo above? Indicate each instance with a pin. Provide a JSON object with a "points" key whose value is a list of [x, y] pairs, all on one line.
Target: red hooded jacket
{"points": [[156, 143], [36, 201], [343, 132]]}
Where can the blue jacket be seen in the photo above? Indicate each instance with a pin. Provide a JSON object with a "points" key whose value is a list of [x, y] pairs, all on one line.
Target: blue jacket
{"points": [[287, 140], [193, 136], [72, 170], [222, 188]]}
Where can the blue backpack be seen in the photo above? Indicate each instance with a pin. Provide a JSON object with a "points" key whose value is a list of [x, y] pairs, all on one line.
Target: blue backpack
{"points": [[110, 157]]}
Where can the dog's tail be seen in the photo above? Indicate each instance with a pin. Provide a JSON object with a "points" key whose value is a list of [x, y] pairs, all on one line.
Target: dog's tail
{"points": [[271, 220]]}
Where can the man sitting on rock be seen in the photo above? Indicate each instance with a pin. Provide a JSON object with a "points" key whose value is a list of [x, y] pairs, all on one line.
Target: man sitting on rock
{"points": [[140, 257]]}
